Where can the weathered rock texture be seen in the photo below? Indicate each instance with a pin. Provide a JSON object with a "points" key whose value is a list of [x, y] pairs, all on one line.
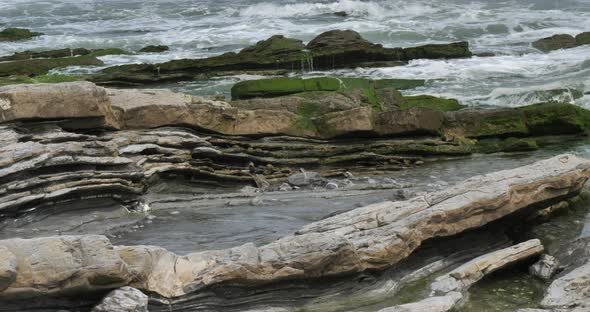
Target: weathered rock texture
{"points": [[330, 50], [562, 41], [470, 273], [432, 304], [373, 237], [63, 266], [124, 299], [60, 141]]}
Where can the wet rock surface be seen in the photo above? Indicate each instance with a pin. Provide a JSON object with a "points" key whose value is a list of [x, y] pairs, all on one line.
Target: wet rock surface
{"points": [[330, 50], [341, 239]]}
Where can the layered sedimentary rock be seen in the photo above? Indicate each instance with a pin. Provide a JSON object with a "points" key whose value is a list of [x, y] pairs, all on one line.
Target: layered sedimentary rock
{"points": [[75, 140], [372, 237], [330, 50]]}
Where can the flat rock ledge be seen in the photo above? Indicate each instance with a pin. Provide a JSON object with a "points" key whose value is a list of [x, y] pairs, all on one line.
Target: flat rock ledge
{"points": [[372, 237]]}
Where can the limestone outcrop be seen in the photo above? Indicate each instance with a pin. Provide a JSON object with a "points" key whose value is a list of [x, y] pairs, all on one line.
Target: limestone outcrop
{"points": [[373, 237], [62, 265]]}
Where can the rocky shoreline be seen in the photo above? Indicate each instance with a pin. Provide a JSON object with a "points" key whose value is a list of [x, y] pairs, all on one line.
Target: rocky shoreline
{"points": [[69, 148]]}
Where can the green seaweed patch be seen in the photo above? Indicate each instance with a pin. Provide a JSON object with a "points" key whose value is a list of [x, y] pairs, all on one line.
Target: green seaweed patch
{"points": [[35, 67], [4, 81], [306, 112], [15, 34], [509, 145], [367, 88], [428, 101], [282, 86], [399, 84]]}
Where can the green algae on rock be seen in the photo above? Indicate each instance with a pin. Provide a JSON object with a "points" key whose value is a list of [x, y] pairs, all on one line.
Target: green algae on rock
{"points": [[330, 50], [154, 49], [41, 66], [61, 53], [562, 41], [441, 104], [37, 79], [15, 34]]}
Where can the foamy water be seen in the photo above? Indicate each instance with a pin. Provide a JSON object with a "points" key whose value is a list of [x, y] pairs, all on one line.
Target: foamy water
{"points": [[195, 29]]}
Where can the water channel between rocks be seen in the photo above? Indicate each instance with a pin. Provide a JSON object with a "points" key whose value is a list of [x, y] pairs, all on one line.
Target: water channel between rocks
{"points": [[186, 218]]}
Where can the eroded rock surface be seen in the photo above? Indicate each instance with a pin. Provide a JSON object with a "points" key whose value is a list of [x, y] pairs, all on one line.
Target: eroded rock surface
{"points": [[124, 299]]}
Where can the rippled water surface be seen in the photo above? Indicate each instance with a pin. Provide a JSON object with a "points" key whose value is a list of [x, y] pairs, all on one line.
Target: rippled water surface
{"points": [[204, 28]]}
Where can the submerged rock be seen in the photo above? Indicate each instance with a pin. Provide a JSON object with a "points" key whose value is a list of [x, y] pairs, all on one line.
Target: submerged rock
{"points": [[461, 278], [432, 304], [154, 49], [124, 299], [545, 268], [15, 34]]}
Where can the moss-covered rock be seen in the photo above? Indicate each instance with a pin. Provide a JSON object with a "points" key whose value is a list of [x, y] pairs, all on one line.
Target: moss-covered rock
{"points": [[533, 120], [555, 42], [334, 49], [154, 49], [15, 34], [428, 101], [282, 86], [555, 118], [35, 67], [38, 79], [583, 38], [508, 145], [25, 55]]}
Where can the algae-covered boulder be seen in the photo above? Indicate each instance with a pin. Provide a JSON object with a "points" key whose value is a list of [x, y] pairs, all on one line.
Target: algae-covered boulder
{"points": [[340, 39], [41, 66], [438, 51], [330, 50], [555, 118], [282, 86], [555, 42], [15, 34], [583, 38], [533, 120], [154, 49], [428, 101], [61, 53]]}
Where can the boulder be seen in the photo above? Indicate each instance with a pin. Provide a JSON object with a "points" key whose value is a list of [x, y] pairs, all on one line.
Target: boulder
{"points": [[339, 40], [555, 42], [154, 49], [282, 86], [73, 100], [15, 34], [545, 268], [124, 299], [583, 38], [570, 290], [64, 265]]}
